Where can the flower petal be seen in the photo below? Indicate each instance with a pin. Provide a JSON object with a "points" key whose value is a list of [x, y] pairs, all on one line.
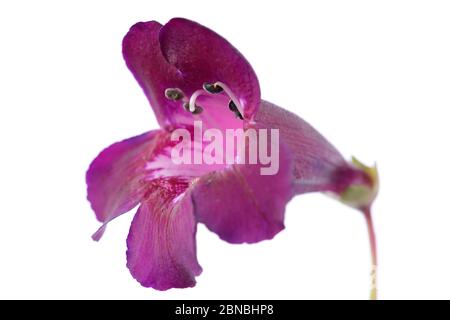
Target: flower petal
{"points": [[114, 177], [318, 166], [241, 205], [142, 53], [202, 56], [161, 243]]}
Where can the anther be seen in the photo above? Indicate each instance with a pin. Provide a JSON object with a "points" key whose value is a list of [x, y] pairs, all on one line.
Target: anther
{"points": [[232, 106], [196, 111], [174, 94], [213, 88]]}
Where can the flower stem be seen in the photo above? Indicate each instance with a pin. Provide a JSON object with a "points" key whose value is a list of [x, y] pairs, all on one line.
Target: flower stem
{"points": [[373, 250]]}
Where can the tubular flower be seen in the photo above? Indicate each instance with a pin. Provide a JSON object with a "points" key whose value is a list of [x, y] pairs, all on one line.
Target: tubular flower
{"points": [[193, 77]]}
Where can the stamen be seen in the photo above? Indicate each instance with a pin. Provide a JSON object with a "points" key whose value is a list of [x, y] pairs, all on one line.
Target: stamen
{"points": [[197, 110], [233, 98], [213, 88], [174, 94]]}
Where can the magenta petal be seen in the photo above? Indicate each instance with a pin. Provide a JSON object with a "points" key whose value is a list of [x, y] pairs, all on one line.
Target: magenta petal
{"points": [[142, 53], [318, 166], [204, 56], [243, 206], [161, 243], [114, 178]]}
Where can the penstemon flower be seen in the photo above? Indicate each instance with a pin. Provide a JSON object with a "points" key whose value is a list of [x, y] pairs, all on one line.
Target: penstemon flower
{"points": [[191, 75]]}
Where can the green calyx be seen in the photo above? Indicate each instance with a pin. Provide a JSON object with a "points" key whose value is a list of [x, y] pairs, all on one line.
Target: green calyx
{"points": [[359, 195]]}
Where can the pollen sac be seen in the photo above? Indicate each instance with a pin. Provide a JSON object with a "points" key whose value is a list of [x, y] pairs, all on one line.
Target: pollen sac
{"points": [[197, 110], [232, 106], [212, 88], [173, 94]]}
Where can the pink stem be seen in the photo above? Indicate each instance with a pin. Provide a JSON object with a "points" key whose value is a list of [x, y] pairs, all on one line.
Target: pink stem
{"points": [[373, 250]]}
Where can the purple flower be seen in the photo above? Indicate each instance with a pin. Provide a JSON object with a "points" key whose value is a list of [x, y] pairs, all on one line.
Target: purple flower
{"points": [[189, 73]]}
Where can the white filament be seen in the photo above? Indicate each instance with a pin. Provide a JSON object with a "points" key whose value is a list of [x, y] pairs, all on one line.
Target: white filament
{"points": [[194, 97]]}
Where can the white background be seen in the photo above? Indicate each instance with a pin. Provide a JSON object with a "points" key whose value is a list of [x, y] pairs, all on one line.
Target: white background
{"points": [[372, 76]]}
